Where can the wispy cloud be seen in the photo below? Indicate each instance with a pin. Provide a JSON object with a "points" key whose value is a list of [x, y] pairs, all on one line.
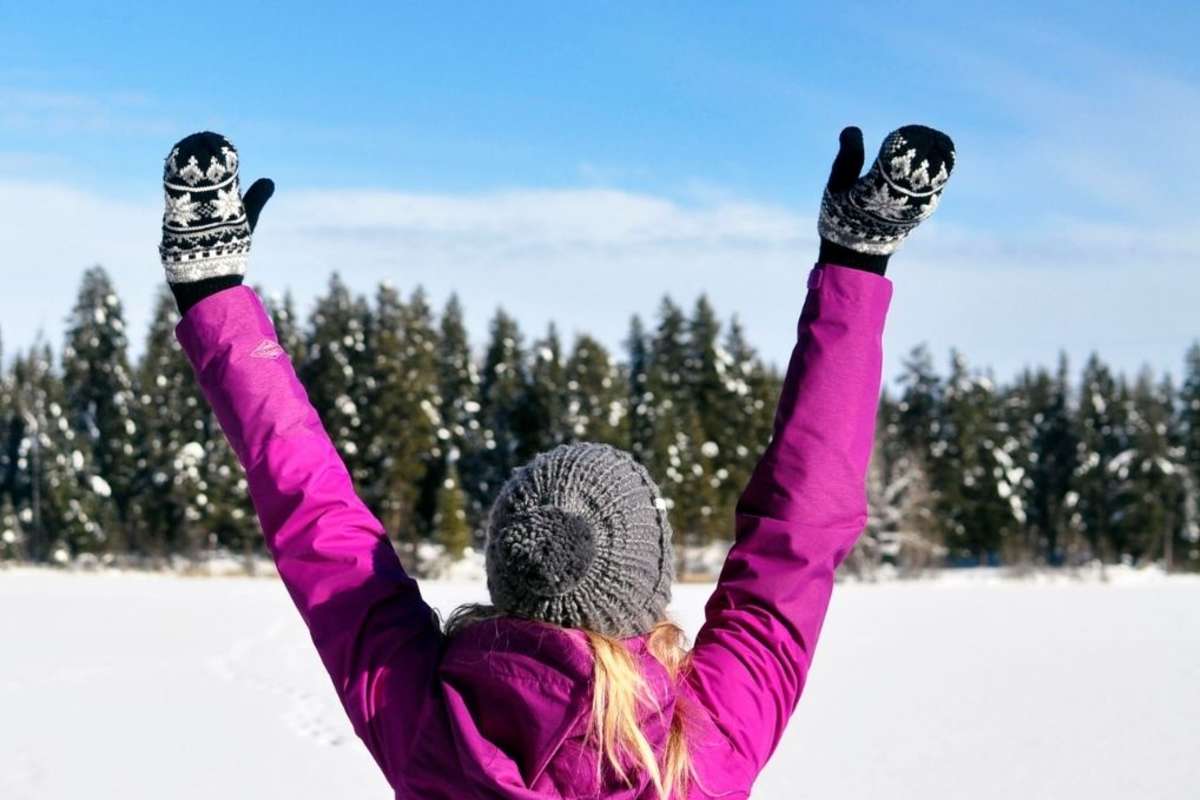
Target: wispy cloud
{"points": [[588, 258], [36, 111], [1091, 131]]}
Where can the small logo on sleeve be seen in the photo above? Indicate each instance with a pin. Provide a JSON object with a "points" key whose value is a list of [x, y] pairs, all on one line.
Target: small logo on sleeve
{"points": [[267, 349]]}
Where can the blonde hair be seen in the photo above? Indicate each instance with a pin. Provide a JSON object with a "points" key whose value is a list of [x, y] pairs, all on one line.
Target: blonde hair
{"points": [[619, 691]]}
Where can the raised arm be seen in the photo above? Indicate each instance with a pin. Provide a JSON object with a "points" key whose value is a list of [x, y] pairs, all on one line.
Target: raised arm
{"points": [[805, 504], [376, 636]]}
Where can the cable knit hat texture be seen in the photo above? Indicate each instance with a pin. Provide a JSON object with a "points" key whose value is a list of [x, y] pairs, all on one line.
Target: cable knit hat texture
{"points": [[579, 537], [205, 231]]}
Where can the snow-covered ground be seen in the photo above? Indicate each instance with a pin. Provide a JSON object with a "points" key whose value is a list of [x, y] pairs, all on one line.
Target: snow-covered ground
{"points": [[146, 686]]}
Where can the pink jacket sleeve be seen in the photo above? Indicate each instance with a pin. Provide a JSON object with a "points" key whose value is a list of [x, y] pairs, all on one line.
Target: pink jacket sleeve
{"points": [[376, 636], [798, 517]]}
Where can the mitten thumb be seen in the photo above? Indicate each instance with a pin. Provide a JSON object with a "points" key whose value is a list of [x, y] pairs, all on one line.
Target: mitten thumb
{"points": [[849, 162], [255, 198]]}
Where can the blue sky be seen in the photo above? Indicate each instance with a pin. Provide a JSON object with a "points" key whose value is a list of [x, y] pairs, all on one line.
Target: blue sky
{"points": [[574, 161]]}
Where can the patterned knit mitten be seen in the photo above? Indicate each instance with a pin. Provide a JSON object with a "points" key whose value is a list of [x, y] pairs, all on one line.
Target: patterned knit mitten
{"points": [[207, 223], [864, 219]]}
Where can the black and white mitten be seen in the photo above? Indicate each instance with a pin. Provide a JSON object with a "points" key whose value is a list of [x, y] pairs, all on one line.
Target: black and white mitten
{"points": [[206, 223], [864, 219]]}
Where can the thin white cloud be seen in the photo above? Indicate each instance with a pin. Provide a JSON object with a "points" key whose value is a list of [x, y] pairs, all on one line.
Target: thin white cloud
{"points": [[589, 258], [1095, 131], [36, 111]]}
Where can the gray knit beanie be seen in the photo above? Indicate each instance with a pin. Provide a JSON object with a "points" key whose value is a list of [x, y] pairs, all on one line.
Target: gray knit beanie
{"points": [[579, 537]]}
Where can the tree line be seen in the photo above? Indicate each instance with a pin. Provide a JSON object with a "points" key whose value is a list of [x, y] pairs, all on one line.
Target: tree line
{"points": [[124, 461]]}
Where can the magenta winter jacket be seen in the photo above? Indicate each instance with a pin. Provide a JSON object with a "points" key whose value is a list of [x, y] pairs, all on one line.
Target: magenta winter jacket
{"points": [[500, 710]]}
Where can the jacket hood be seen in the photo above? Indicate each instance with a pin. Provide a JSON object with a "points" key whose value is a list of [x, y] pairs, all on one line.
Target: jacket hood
{"points": [[519, 694]]}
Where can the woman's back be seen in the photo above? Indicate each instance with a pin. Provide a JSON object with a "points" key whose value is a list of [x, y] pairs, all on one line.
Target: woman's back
{"points": [[511, 716]]}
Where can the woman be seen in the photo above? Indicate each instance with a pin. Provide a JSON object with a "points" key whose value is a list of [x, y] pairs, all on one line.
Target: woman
{"points": [[572, 683]]}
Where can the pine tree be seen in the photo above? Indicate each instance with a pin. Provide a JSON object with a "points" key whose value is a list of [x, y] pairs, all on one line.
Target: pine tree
{"points": [[336, 371], [1151, 474], [596, 400], [1101, 439], [1189, 409], [402, 416], [693, 475], [451, 527], [12, 536], [747, 403], [100, 397], [666, 395], [192, 491], [1051, 448], [542, 421], [900, 523], [641, 401], [1189, 433], [681, 455], [713, 385], [920, 400], [972, 468], [173, 415], [60, 500], [229, 518], [6, 457], [460, 435], [706, 369], [503, 388]]}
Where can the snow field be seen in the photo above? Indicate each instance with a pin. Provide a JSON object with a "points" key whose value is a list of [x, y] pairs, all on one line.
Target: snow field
{"points": [[143, 686]]}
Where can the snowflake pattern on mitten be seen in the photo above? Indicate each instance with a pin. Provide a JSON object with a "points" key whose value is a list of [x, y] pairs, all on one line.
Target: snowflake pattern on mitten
{"points": [[205, 232], [902, 188]]}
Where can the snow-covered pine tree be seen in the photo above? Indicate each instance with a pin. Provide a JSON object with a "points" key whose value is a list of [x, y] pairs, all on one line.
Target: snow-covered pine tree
{"points": [[691, 471], [919, 403], [751, 392], [401, 414], [458, 405], [100, 397], [61, 502], [1189, 432], [1189, 409], [230, 520], [1101, 439], [972, 469], [1042, 420], [596, 397], [640, 400], [679, 458], [424, 370], [713, 383], [543, 414], [503, 386], [192, 493], [906, 497], [12, 534], [336, 370], [900, 529], [705, 370], [172, 414], [1018, 407], [451, 527], [870, 550], [1151, 474], [9, 531]]}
